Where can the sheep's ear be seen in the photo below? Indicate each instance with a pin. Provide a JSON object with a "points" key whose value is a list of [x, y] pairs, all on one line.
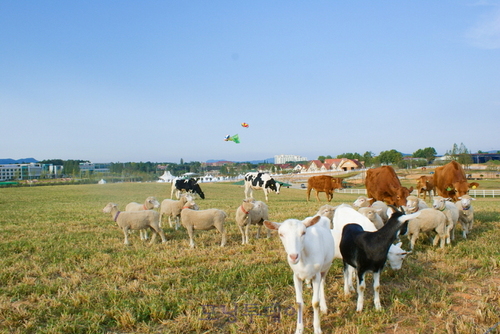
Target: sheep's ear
{"points": [[271, 225], [313, 221]]}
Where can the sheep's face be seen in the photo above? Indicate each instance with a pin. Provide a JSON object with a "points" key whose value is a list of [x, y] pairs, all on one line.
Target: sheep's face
{"points": [[439, 203], [466, 201], [153, 202], [368, 213], [108, 208], [362, 201]]}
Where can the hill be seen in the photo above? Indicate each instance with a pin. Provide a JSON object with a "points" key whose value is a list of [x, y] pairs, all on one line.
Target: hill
{"points": [[19, 161]]}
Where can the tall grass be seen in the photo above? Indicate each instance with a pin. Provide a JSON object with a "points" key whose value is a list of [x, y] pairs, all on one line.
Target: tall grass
{"points": [[64, 269]]}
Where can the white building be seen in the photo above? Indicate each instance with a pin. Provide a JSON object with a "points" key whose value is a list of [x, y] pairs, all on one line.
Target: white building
{"points": [[20, 171], [283, 158]]}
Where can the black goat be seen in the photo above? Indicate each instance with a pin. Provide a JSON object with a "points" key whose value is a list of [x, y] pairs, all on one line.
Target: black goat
{"points": [[367, 251]]}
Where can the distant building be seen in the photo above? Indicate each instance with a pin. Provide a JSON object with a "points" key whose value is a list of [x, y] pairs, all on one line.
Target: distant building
{"points": [[20, 171], [283, 158], [94, 167]]}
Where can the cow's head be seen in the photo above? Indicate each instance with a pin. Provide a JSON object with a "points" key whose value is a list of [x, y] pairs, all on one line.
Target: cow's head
{"points": [[195, 187], [273, 185], [336, 183], [400, 195]]}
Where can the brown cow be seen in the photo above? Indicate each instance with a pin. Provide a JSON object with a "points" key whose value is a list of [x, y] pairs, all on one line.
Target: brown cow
{"points": [[382, 184], [323, 183], [450, 181], [425, 184]]}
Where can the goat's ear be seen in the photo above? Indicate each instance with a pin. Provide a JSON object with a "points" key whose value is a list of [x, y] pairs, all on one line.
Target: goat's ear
{"points": [[313, 221], [271, 225]]}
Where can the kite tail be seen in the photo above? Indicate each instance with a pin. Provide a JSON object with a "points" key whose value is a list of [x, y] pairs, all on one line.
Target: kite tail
{"points": [[236, 139]]}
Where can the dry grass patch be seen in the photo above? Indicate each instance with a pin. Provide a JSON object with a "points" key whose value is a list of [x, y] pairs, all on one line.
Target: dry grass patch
{"points": [[64, 269]]}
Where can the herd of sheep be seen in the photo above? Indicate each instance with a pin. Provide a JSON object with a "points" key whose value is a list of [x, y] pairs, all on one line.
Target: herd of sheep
{"points": [[144, 217], [363, 238]]}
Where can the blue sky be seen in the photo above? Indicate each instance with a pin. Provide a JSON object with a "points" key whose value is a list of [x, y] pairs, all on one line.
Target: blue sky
{"points": [[168, 80]]}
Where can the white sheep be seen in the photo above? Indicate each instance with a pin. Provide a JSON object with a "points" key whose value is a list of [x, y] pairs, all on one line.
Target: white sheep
{"points": [[465, 213], [429, 220], [149, 204], [327, 211], [310, 252], [251, 212], [136, 220], [413, 204], [172, 209], [372, 214], [203, 220], [363, 201], [451, 212]]}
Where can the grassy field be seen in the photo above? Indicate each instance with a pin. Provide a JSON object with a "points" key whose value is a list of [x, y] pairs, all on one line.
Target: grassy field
{"points": [[64, 269]]}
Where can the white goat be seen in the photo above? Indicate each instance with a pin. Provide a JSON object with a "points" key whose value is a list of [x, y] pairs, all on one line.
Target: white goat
{"points": [[310, 251], [363, 201], [251, 212], [465, 213], [136, 220], [203, 220], [172, 209], [429, 220], [367, 251], [413, 204], [451, 212], [149, 204]]}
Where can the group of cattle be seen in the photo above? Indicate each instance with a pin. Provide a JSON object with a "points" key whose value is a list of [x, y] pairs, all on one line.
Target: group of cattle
{"points": [[382, 184], [449, 181]]}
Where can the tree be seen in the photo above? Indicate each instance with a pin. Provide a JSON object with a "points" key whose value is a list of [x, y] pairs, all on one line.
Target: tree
{"points": [[428, 153], [368, 158], [461, 154], [71, 167], [355, 156], [390, 157]]}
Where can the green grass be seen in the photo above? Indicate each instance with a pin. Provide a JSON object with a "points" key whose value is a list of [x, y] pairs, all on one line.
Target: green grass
{"points": [[64, 269]]}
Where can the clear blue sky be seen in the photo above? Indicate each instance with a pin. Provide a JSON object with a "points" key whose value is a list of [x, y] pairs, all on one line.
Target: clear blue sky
{"points": [[163, 80]]}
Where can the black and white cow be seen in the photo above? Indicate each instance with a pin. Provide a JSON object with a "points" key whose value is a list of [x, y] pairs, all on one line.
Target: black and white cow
{"points": [[187, 185], [264, 181]]}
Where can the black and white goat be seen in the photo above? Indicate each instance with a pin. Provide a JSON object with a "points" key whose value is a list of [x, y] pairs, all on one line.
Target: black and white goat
{"points": [[367, 251]]}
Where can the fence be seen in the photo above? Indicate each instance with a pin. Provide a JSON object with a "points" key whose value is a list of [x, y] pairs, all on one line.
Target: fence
{"points": [[485, 193], [473, 193]]}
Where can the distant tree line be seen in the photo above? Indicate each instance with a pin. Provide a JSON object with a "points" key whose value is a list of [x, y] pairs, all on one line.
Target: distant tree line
{"points": [[152, 170], [420, 157]]}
